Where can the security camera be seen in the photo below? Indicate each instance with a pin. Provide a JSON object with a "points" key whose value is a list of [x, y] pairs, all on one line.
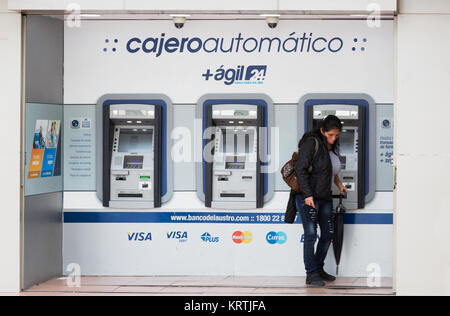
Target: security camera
{"points": [[272, 21], [179, 21]]}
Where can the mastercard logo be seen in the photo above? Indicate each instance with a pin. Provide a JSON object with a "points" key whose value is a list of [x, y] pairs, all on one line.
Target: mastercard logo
{"points": [[242, 237]]}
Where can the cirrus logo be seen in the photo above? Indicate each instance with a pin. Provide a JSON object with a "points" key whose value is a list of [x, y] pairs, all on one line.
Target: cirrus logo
{"points": [[242, 237], [276, 238]]}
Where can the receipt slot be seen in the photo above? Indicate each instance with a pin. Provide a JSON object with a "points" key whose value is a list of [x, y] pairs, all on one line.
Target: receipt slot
{"points": [[132, 141], [235, 143], [356, 142]]}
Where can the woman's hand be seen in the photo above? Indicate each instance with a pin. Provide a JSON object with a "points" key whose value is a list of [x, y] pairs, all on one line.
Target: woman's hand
{"points": [[310, 202], [342, 189]]}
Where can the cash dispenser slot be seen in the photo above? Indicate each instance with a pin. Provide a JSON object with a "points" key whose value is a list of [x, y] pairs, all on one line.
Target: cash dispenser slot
{"points": [[232, 195], [130, 195]]}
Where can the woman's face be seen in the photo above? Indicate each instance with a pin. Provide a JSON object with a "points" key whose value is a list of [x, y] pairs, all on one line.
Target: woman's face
{"points": [[331, 136]]}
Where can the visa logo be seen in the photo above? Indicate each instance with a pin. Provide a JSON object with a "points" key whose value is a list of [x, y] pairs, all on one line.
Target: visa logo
{"points": [[181, 236], [139, 236]]}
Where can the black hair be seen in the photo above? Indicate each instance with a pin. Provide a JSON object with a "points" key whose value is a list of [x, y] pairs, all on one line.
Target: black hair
{"points": [[327, 124]]}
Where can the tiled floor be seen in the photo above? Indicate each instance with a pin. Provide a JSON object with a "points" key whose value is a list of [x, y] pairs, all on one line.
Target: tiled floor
{"points": [[207, 285]]}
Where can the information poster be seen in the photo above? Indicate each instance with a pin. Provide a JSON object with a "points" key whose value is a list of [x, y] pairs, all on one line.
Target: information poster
{"points": [[79, 148], [45, 146], [385, 147]]}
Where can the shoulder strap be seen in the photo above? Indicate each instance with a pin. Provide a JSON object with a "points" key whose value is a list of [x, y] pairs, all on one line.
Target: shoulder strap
{"points": [[316, 149], [316, 146]]}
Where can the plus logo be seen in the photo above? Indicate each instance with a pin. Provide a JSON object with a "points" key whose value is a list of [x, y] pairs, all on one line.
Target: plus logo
{"points": [[253, 74], [208, 74]]}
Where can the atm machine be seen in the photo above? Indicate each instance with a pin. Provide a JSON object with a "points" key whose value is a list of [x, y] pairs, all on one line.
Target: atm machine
{"points": [[233, 173], [233, 176], [351, 149], [357, 141], [131, 156], [134, 158], [132, 167]]}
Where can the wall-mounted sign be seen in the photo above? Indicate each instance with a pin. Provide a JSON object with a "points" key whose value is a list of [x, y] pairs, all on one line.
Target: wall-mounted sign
{"points": [[45, 145]]}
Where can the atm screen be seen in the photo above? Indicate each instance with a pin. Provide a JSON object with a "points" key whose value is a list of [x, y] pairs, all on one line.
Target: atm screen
{"points": [[237, 141], [347, 142], [136, 140]]}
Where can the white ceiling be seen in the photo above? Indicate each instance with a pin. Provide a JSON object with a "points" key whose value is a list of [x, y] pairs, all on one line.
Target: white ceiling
{"points": [[224, 16]]}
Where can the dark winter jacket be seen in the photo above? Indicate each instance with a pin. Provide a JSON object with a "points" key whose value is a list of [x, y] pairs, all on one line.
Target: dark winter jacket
{"points": [[317, 183]]}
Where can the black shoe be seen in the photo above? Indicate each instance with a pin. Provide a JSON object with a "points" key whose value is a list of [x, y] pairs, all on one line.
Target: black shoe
{"points": [[327, 277], [315, 280]]}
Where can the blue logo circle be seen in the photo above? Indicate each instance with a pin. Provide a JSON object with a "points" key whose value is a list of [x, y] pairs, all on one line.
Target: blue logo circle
{"points": [[276, 238]]}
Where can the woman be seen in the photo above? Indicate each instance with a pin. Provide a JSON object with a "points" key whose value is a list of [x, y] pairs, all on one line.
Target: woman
{"points": [[318, 149]]}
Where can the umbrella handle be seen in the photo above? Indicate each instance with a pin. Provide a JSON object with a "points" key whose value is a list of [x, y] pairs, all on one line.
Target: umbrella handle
{"points": [[342, 196]]}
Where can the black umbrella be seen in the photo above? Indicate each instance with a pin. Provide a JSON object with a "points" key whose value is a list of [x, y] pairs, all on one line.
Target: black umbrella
{"points": [[338, 238]]}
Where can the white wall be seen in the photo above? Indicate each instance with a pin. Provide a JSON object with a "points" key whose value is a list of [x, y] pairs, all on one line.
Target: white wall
{"points": [[423, 154], [420, 6], [10, 102]]}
